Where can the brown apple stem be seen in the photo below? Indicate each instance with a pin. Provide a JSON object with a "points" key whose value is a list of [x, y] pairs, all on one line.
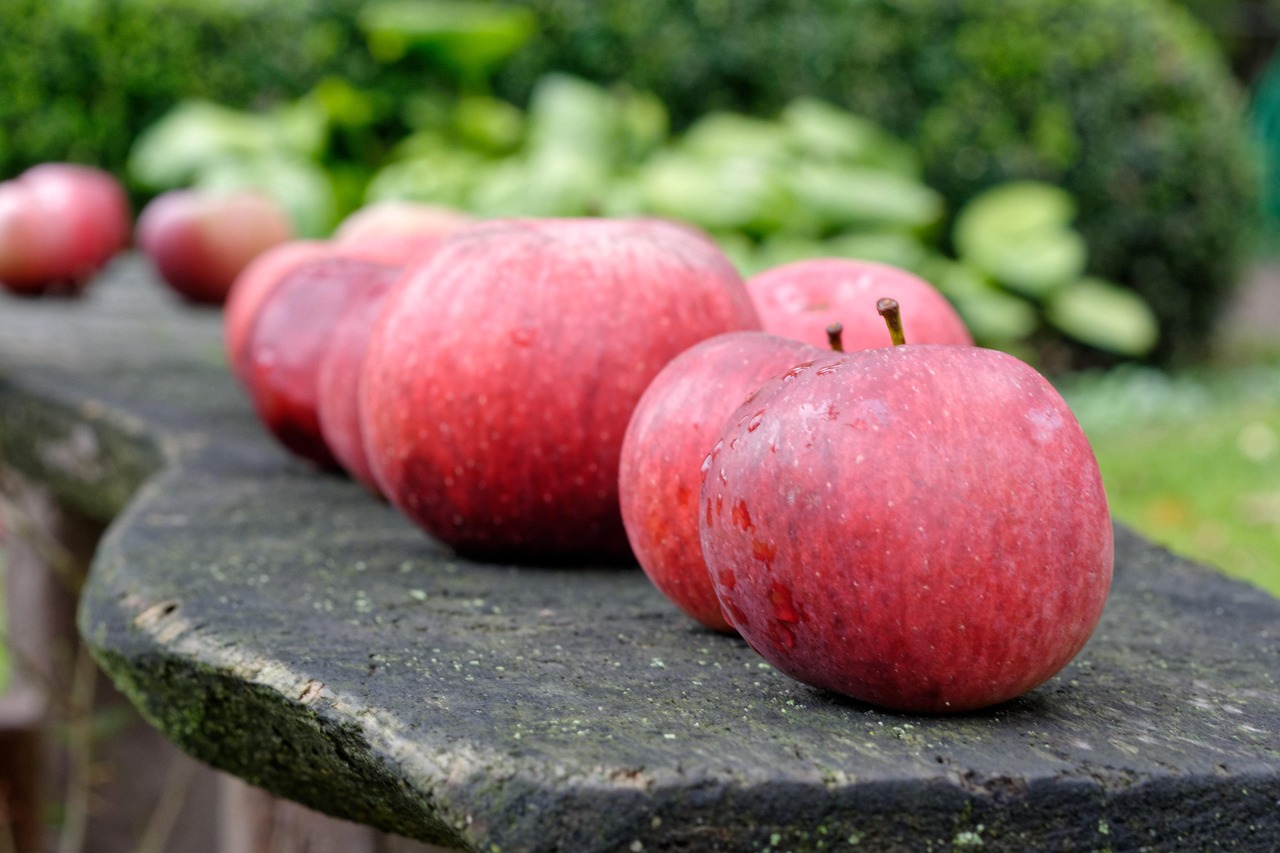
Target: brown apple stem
{"points": [[835, 337], [892, 315]]}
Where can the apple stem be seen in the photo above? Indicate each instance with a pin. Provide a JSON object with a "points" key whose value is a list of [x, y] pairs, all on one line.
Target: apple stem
{"points": [[892, 315], [835, 337]]}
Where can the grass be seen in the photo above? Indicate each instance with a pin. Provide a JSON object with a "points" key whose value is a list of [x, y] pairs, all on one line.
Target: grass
{"points": [[1192, 460], [4, 630]]}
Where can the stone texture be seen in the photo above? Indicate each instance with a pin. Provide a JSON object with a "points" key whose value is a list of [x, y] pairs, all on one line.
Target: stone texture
{"points": [[281, 624]]}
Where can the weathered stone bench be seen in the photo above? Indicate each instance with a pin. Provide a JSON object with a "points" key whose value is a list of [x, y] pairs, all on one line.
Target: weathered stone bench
{"points": [[283, 626]]}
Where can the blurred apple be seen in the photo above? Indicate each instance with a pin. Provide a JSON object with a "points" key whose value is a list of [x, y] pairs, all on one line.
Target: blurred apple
{"points": [[199, 240], [802, 298], [59, 225]]}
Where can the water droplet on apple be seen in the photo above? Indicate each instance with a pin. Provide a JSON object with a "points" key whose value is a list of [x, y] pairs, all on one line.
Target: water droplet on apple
{"points": [[756, 420], [828, 369], [727, 579], [741, 516]]}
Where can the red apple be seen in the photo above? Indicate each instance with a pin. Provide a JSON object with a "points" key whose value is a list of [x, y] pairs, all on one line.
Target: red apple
{"points": [[338, 380], [400, 218], [801, 299], [500, 380], [291, 330], [674, 425], [268, 269], [251, 287], [199, 241], [921, 527], [59, 225]]}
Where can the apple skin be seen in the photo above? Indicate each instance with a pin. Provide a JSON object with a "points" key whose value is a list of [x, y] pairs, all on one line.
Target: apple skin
{"points": [[292, 328], [339, 375], [392, 218], [60, 223], [923, 528], [500, 380], [268, 269], [675, 424], [200, 241], [802, 298]]}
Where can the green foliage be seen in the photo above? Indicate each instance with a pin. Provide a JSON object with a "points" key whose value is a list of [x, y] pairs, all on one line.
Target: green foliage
{"points": [[80, 78], [1127, 105], [1189, 459]]}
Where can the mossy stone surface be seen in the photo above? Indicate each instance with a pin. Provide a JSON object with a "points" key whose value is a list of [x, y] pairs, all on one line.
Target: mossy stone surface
{"points": [[282, 624]]}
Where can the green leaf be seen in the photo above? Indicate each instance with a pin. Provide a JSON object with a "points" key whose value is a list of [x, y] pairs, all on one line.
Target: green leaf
{"points": [[846, 197], [889, 247], [469, 38], [302, 187], [193, 136], [818, 129], [1104, 315], [1020, 234], [994, 316], [721, 135]]}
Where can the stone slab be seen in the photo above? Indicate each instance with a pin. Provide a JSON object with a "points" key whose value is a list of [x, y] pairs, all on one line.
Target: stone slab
{"points": [[282, 625]]}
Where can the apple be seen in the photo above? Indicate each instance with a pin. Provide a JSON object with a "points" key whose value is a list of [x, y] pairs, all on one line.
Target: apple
{"points": [[250, 288], [921, 527], [199, 241], [501, 377], [291, 330], [677, 420], [400, 218], [338, 380], [802, 298], [59, 225]]}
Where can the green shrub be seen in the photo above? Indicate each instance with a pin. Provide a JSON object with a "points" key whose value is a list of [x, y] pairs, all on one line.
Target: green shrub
{"points": [[87, 75], [1128, 105]]}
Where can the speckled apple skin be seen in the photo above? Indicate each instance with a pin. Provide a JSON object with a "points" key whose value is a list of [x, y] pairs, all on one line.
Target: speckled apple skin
{"points": [[338, 380], [923, 528], [802, 298], [292, 330], [503, 373], [674, 426]]}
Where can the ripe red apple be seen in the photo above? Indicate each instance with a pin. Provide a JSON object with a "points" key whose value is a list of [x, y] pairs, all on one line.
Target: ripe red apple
{"points": [[199, 241], [674, 425], [400, 218], [801, 299], [251, 286], [59, 225], [920, 527], [291, 330], [500, 379], [339, 375]]}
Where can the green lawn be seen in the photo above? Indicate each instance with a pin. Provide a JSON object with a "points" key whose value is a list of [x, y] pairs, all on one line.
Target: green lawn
{"points": [[4, 631], [1192, 461]]}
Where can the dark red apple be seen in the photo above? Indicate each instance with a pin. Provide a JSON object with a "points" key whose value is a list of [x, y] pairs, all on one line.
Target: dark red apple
{"points": [[291, 330], [249, 289], [921, 527], [199, 241], [59, 225], [674, 425], [338, 380], [801, 299], [503, 372]]}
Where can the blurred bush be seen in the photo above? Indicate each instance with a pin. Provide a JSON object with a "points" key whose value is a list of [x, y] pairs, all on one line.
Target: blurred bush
{"points": [[1128, 105]]}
